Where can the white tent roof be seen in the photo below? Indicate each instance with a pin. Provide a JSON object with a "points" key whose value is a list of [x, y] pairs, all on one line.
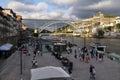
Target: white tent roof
{"points": [[48, 72], [6, 47]]}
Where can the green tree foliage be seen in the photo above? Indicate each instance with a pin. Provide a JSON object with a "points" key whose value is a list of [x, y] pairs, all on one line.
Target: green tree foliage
{"points": [[109, 28], [118, 26], [100, 32], [64, 29], [109, 16]]}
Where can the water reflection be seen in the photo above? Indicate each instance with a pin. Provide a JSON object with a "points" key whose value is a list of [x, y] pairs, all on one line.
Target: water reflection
{"points": [[113, 45]]}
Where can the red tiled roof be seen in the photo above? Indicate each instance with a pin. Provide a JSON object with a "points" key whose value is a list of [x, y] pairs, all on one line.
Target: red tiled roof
{"points": [[4, 14], [19, 16]]}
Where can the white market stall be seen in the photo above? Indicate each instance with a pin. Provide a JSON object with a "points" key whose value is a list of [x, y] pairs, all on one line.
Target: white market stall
{"points": [[49, 73]]}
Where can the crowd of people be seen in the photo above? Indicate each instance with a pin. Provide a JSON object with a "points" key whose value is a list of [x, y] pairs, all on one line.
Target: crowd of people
{"points": [[84, 54]]}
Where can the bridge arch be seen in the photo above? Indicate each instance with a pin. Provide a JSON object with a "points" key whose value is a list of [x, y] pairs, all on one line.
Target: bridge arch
{"points": [[56, 22]]}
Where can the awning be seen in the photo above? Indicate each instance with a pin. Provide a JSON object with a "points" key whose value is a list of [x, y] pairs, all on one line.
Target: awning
{"points": [[101, 49], [49, 72], [6, 47]]}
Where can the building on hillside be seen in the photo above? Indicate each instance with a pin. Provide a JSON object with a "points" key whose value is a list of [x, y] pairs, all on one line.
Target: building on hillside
{"points": [[117, 21], [99, 20], [103, 21]]}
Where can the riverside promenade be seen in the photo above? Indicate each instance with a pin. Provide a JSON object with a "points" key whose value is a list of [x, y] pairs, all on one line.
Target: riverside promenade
{"points": [[10, 69]]}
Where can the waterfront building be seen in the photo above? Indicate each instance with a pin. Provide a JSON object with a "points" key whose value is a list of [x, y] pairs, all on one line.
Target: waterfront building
{"points": [[9, 27]]}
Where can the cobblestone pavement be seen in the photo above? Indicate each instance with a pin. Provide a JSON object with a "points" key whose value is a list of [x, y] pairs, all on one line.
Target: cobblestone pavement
{"points": [[106, 70]]}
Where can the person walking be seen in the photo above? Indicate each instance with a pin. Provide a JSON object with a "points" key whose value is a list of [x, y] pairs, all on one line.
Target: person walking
{"points": [[36, 64], [38, 52], [87, 58], [75, 51], [92, 53], [70, 70], [92, 72], [33, 62], [82, 55]]}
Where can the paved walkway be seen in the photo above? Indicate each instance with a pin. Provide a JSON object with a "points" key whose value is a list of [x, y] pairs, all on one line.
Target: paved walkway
{"points": [[106, 70]]}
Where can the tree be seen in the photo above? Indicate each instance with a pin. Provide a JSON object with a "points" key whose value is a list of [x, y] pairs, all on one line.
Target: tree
{"points": [[118, 26], [109, 28], [109, 16], [100, 32]]}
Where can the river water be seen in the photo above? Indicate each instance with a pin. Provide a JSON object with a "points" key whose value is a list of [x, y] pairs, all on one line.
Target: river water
{"points": [[113, 45]]}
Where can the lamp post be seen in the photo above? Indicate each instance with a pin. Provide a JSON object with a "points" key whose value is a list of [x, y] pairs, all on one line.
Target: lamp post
{"points": [[20, 48], [84, 38], [20, 42], [21, 55]]}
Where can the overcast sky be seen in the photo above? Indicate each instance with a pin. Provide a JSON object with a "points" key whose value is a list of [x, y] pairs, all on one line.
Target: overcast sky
{"points": [[61, 9]]}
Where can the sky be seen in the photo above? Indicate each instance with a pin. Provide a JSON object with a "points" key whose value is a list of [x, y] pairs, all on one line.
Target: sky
{"points": [[61, 9]]}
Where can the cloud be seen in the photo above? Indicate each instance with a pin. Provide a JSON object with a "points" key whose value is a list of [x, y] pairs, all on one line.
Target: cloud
{"points": [[23, 1], [39, 11], [101, 5], [63, 2], [56, 14], [87, 8], [18, 6], [63, 9]]}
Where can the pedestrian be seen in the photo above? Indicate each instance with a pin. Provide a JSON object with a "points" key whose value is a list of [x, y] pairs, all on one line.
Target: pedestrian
{"points": [[82, 55], [71, 65], [79, 51], [92, 53], [68, 50], [38, 52], [35, 52], [75, 54], [33, 62], [102, 56], [69, 70], [65, 69], [96, 55], [36, 64], [41, 53], [24, 51], [92, 72], [87, 58]]}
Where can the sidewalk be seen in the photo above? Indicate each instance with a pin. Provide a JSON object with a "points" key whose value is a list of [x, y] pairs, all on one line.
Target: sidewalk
{"points": [[106, 70]]}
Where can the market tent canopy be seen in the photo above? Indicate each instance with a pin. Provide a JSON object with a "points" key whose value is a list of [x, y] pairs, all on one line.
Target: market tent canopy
{"points": [[6, 47], [101, 49], [49, 72], [114, 56]]}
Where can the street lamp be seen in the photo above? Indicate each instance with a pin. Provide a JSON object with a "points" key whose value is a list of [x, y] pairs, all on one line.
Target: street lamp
{"points": [[20, 42], [84, 38]]}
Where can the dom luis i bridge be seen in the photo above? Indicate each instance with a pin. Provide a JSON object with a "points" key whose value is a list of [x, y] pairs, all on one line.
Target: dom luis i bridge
{"points": [[53, 25]]}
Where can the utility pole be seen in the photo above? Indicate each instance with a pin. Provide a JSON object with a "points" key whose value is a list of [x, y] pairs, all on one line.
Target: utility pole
{"points": [[84, 38]]}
